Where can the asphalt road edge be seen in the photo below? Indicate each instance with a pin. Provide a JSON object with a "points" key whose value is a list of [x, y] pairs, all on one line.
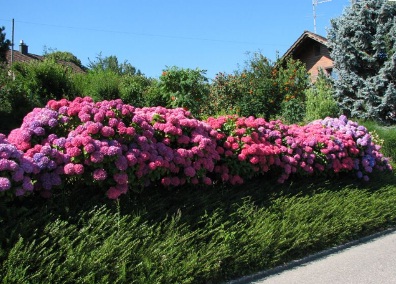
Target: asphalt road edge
{"points": [[316, 256]]}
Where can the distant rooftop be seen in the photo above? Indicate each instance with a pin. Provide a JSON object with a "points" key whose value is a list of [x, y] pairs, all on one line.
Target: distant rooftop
{"points": [[24, 56]]}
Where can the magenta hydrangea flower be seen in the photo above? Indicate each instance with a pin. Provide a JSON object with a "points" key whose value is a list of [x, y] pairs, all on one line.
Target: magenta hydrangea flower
{"points": [[113, 193], [94, 128], [121, 178], [5, 184], [96, 157], [190, 171], [69, 169], [78, 169], [207, 181], [107, 131], [99, 174]]}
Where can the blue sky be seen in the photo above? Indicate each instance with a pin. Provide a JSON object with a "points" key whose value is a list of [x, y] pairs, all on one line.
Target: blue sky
{"points": [[214, 35]]}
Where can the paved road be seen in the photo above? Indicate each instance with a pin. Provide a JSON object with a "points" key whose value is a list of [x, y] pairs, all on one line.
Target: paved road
{"points": [[369, 260]]}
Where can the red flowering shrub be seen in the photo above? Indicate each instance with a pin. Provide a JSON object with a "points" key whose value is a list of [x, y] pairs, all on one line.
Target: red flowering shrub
{"points": [[116, 147], [251, 146]]}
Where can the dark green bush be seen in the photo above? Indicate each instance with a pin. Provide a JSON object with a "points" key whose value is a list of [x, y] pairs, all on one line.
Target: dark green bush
{"points": [[100, 85], [154, 97], [45, 80], [292, 111], [261, 97], [14, 102]]}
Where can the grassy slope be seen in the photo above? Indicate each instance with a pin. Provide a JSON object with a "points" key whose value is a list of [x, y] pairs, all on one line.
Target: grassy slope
{"points": [[188, 235]]}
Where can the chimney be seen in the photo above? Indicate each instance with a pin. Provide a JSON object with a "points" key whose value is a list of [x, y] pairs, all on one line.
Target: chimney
{"points": [[23, 48]]}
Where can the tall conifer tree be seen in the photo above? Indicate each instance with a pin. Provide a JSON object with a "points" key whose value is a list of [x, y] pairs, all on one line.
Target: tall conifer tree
{"points": [[363, 46]]}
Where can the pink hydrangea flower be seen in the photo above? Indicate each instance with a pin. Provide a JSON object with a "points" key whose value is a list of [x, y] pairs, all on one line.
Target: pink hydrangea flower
{"points": [[120, 178], [5, 184], [113, 193], [99, 174], [189, 171], [107, 131], [69, 169], [78, 169]]}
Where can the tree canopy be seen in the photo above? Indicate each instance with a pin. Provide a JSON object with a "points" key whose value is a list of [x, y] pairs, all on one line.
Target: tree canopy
{"points": [[110, 63]]}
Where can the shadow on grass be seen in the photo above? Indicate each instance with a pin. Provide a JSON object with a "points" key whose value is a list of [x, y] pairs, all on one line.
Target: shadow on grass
{"points": [[24, 217]]}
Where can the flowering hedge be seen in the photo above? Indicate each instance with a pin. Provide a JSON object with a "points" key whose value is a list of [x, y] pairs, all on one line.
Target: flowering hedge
{"points": [[116, 147], [330, 146]]}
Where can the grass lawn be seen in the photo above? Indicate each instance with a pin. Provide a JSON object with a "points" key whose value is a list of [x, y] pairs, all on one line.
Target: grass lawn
{"points": [[189, 235]]}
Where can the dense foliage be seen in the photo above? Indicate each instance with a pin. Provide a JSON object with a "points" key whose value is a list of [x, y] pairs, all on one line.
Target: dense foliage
{"points": [[319, 99], [188, 235], [62, 56], [363, 46], [262, 88], [185, 88], [42, 81]]}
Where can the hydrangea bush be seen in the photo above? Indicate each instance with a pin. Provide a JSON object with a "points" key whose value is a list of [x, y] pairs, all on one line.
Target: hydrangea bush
{"points": [[330, 146], [116, 147], [15, 170]]}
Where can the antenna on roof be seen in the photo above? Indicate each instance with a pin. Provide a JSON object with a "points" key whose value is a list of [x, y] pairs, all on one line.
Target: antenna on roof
{"points": [[314, 4]]}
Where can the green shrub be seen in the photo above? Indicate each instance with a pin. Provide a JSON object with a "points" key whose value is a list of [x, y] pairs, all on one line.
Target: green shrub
{"points": [[187, 236], [185, 88], [133, 89], [110, 63], [261, 89], [224, 92], [261, 97], [319, 99], [153, 95], [292, 111], [14, 102], [101, 85], [5, 96], [45, 80], [64, 56]]}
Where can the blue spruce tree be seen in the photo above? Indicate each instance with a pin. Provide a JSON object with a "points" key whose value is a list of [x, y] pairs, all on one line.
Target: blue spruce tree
{"points": [[363, 46]]}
